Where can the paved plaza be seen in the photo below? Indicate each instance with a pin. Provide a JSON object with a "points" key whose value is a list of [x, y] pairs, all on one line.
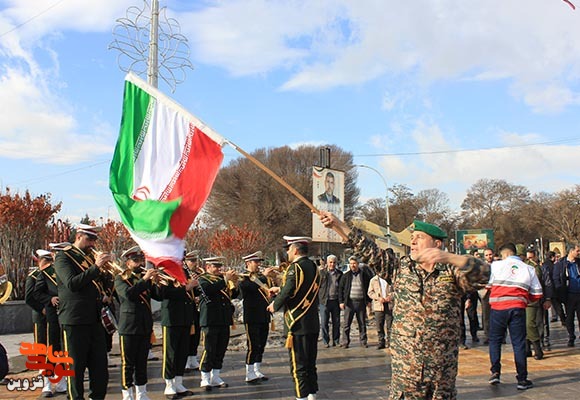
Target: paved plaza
{"points": [[354, 373]]}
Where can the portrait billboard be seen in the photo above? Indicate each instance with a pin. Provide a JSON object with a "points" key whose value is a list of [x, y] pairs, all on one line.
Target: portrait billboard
{"points": [[474, 239], [327, 195]]}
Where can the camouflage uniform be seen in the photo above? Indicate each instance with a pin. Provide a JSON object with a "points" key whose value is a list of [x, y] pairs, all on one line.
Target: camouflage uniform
{"points": [[426, 320]]}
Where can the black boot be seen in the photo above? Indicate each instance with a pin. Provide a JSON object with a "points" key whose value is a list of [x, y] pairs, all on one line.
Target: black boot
{"points": [[538, 352]]}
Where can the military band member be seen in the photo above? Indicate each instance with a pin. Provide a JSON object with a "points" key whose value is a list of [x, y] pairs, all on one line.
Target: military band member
{"points": [[256, 298], [194, 269], [299, 298], [46, 291], [177, 309], [38, 313], [135, 325], [215, 318], [78, 278]]}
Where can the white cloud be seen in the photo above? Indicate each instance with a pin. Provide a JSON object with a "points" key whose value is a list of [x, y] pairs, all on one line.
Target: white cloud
{"points": [[338, 43], [37, 124], [535, 167]]}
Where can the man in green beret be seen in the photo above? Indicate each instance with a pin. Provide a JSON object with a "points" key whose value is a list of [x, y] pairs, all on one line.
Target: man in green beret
{"points": [[428, 286]]}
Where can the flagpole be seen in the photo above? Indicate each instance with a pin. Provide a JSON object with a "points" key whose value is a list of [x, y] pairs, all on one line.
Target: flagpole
{"points": [[276, 177]]}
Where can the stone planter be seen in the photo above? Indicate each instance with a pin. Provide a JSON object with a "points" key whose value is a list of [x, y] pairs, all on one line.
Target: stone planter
{"points": [[15, 317]]}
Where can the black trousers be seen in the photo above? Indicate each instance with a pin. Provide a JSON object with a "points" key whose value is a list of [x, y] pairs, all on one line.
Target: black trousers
{"points": [[358, 308], [330, 312], [572, 310], [54, 337], [134, 350], [194, 338], [256, 338], [303, 364], [39, 329], [175, 348], [87, 346], [215, 344]]}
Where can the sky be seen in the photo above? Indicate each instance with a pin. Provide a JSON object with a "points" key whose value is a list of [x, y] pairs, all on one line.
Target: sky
{"points": [[431, 93]]}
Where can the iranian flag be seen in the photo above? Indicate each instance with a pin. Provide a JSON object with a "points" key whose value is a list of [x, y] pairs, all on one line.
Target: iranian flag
{"points": [[162, 172]]}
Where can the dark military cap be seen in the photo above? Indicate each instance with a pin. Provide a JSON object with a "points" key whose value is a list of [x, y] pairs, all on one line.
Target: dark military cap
{"points": [[432, 230]]}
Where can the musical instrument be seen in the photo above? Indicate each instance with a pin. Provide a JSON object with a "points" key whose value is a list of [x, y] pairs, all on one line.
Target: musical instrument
{"points": [[111, 267], [195, 275], [108, 319], [5, 285]]}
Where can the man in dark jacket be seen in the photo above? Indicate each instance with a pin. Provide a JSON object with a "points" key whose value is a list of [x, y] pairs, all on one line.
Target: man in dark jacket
{"points": [[353, 300], [328, 297], [567, 285]]}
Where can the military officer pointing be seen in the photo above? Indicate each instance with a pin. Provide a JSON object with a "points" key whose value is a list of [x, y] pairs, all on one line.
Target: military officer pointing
{"points": [[298, 296], [428, 286]]}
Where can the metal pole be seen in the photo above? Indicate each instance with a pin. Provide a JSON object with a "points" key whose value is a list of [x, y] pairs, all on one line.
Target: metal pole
{"points": [[152, 62], [386, 200]]}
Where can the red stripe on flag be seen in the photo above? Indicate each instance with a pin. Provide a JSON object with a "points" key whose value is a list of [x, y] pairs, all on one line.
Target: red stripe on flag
{"points": [[195, 181]]}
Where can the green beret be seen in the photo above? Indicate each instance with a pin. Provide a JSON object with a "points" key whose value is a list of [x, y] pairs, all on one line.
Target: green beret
{"points": [[432, 230]]}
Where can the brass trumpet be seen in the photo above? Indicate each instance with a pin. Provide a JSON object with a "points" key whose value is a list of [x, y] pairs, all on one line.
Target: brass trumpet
{"points": [[111, 267], [165, 279]]}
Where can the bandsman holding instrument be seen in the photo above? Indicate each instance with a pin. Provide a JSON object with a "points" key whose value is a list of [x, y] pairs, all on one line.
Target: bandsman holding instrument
{"points": [[31, 299], [215, 318], [254, 290], [78, 278], [134, 288], [194, 270], [46, 291], [177, 309], [299, 298]]}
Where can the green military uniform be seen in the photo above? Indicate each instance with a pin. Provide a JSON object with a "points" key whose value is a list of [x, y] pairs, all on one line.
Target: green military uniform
{"points": [[80, 293], [45, 289], [215, 319], [177, 309], [535, 317], [426, 326], [256, 317], [38, 317], [299, 298], [135, 326]]}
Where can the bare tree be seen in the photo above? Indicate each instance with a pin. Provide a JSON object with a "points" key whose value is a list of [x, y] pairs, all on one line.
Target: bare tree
{"points": [[558, 214], [243, 195], [403, 208]]}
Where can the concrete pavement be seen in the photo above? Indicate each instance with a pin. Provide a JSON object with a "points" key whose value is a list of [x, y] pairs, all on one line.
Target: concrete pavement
{"points": [[354, 373]]}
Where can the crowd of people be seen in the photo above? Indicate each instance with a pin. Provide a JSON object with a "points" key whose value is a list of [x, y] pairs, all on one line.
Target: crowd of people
{"points": [[417, 302]]}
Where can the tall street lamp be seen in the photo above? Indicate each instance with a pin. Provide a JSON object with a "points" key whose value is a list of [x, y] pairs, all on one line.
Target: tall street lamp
{"points": [[386, 200]]}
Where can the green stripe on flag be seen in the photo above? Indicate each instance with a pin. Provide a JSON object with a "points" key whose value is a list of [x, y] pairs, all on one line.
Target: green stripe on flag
{"points": [[147, 218]]}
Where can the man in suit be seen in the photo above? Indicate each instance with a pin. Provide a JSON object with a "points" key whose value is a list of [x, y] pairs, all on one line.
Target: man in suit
{"points": [[134, 288], [299, 298], [328, 298], [215, 318], [79, 281], [328, 195], [353, 300]]}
